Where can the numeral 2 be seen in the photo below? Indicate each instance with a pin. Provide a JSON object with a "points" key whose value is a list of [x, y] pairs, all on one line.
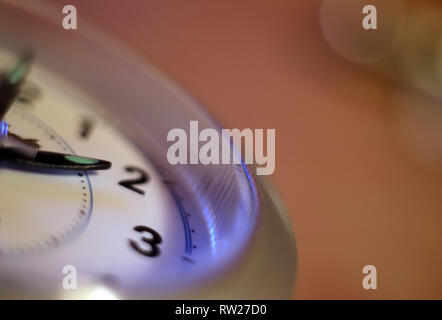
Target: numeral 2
{"points": [[143, 178]]}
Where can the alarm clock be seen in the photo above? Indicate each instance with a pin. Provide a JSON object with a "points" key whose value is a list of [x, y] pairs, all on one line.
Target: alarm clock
{"points": [[143, 228]]}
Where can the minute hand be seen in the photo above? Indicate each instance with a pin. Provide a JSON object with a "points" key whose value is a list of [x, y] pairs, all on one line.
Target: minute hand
{"points": [[15, 149], [55, 160]]}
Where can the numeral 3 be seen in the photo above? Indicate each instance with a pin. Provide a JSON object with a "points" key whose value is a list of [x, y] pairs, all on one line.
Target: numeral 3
{"points": [[152, 241]]}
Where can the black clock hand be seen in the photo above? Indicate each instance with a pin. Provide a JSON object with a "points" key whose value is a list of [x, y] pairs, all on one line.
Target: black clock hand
{"points": [[10, 83], [55, 160], [15, 149]]}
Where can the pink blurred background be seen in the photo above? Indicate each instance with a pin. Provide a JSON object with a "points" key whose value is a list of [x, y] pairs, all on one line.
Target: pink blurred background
{"points": [[359, 147]]}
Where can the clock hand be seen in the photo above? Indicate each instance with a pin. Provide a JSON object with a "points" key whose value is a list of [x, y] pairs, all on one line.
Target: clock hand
{"points": [[55, 160], [15, 144], [11, 82], [15, 149]]}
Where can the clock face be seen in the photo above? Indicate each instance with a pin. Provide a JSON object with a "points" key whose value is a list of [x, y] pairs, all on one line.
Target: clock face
{"points": [[124, 225], [144, 227]]}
